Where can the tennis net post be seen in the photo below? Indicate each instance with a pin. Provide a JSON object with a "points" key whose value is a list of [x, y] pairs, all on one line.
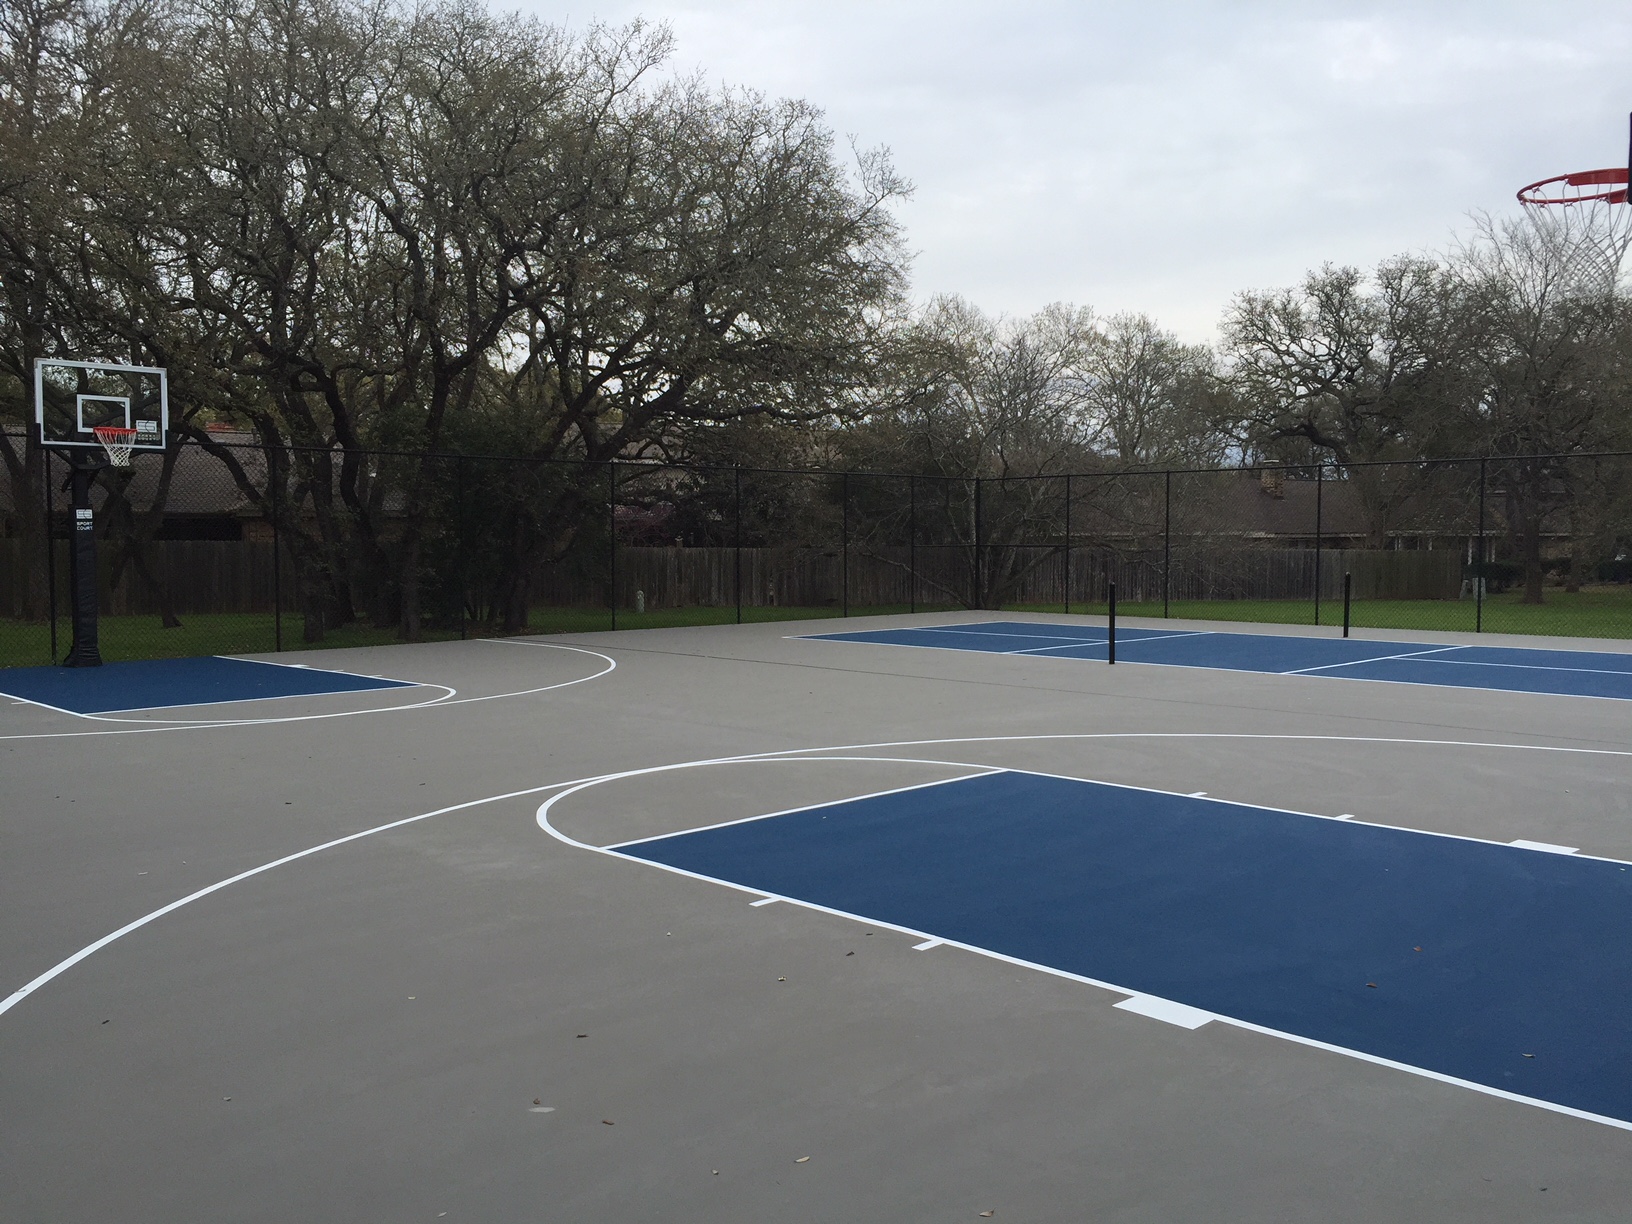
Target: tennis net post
{"points": [[1110, 649]]}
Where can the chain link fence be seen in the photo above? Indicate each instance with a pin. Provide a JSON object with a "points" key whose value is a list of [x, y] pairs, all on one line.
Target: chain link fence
{"points": [[223, 547]]}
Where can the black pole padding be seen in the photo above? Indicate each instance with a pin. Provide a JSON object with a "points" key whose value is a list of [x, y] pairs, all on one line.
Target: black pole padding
{"points": [[1348, 592], [82, 571], [1111, 624]]}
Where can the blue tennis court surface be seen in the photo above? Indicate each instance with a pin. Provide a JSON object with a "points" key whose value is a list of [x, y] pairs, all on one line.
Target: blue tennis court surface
{"points": [[155, 683], [1492, 964], [1578, 673]]}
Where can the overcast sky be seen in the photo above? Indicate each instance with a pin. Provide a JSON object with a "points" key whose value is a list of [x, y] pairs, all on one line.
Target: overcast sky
{"points": [[1163, 156]]}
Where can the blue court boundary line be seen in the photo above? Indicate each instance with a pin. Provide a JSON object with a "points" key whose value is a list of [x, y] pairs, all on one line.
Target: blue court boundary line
{"points": [[616, 851]]}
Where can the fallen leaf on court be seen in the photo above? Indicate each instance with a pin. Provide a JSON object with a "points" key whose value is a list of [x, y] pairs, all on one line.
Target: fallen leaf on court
{"points": [[849, 953], [583, 1034], [604, 1122], [984, 1214], [801, 1160], [781, 979], [537, 1101], [1418, 948], [1373, 985], [716, 1172], [1529, 1055]]}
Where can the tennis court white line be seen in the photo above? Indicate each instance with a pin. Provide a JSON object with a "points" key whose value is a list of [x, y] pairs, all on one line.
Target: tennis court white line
{"points": [[1304, 671], [1105, 641]]}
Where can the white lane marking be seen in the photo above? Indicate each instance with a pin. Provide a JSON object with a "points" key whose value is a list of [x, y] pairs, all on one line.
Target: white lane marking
{"points": [[1545, 847], [928, 944], [1590, 671], [1166, 1010], [986, 771], [443, 702], [765, 901], [1414, 654]]}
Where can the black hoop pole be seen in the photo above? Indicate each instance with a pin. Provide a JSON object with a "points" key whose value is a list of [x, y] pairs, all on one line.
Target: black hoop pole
{"points": [[50, 551], [1110, 621], [1348, 592], [82, 569]]}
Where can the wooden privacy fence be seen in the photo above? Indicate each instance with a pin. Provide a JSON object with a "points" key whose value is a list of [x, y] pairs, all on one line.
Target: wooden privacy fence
{"points": [[203, 576]]}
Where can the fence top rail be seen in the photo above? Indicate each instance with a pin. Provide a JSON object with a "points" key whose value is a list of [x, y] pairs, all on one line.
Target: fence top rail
{"points": [[1323, 467]]}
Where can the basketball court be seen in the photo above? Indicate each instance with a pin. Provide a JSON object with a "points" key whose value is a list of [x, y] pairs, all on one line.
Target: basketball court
{"points": [[772, 922]]}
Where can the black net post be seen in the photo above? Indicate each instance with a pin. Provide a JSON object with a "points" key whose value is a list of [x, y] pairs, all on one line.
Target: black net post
{"points": [[462, 570], [1348, 591], [980, 559], [1110, 622], [1479, 561]]}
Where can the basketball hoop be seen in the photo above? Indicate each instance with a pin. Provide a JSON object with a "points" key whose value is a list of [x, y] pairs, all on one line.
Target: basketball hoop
{"points": [[1586, 221], [117, 441]]}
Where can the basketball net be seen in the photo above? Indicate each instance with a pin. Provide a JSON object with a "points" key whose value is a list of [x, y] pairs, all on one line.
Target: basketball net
{"points": [[118, 441]]}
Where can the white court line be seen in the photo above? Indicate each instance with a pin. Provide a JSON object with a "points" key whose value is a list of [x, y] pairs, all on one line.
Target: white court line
{"points": [[445, 701], [1304, 671], [765, 901], [1545, 847], [1140, 1002]]}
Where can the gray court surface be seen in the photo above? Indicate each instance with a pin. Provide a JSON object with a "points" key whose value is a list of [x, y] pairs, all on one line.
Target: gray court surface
{"points": [[469, 1016]]}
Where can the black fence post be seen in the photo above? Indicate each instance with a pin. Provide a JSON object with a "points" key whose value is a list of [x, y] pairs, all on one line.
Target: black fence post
{"points": [[612, 536], [274, 482], [1348, 594], [1167, 540], [912, 544], [1479, 565], [1320, 469], [1110, 621], [463, 545], [844, 541], [737, 559], [1068, 545], [980, 569], [51, 551]]}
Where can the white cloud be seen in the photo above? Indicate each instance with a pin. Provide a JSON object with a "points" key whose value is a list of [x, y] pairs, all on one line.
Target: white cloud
{"points": [[1163, 156]]}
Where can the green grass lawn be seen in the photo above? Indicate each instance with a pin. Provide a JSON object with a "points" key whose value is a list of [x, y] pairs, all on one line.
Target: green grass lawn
{"points": [[1595, 612]]}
